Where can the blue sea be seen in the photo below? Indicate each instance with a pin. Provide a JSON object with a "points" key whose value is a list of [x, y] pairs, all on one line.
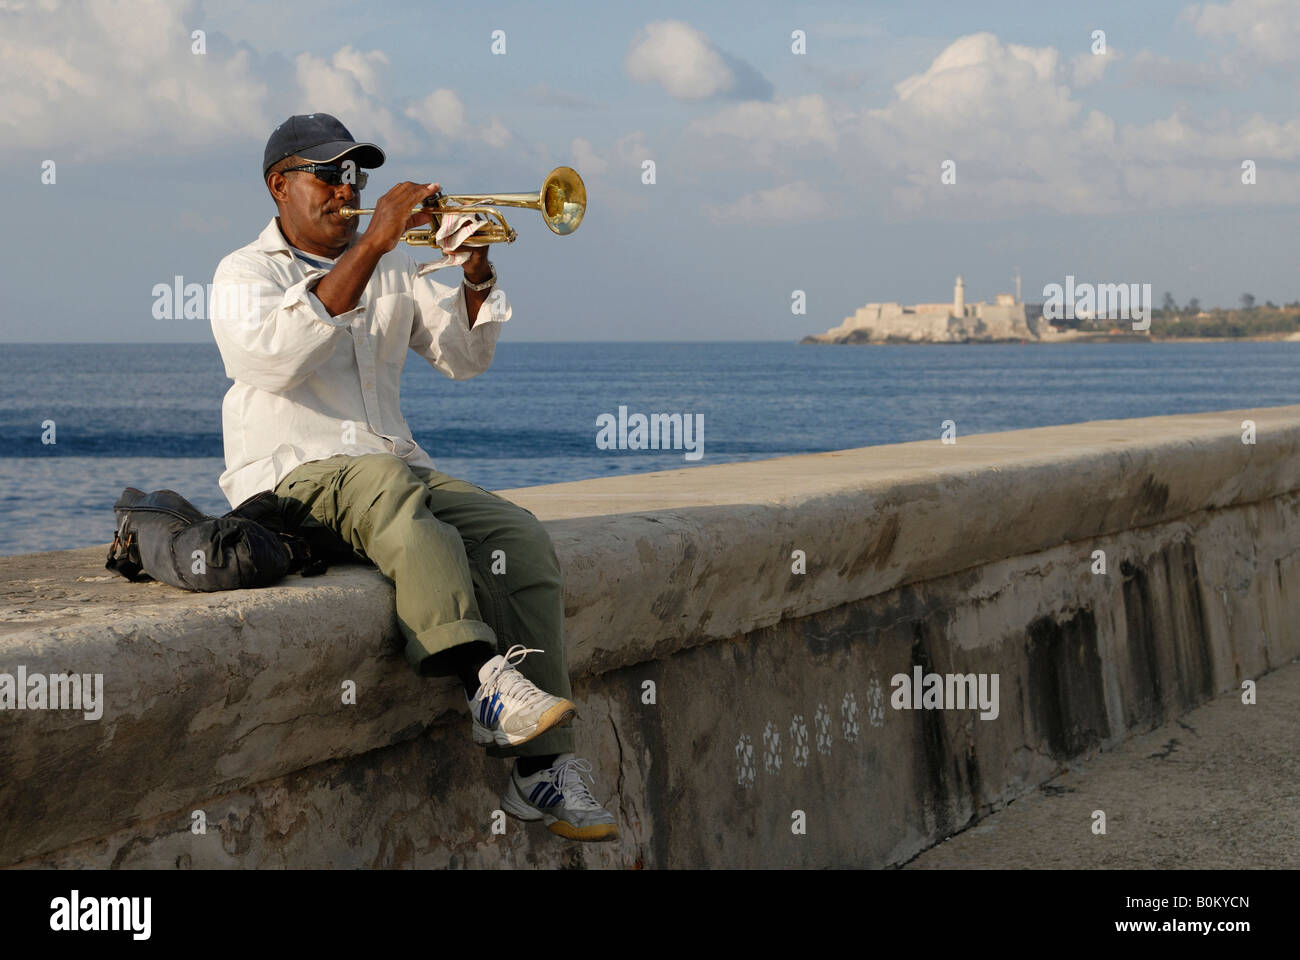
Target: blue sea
{"points": [[150, 416]]}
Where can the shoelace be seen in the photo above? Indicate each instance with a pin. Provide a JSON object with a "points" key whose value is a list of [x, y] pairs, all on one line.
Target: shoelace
{"points": [[509, 682], [567, 777]]}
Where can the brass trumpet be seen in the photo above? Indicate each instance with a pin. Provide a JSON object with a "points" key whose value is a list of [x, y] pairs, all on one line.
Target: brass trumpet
{"points": [[562, 201]]}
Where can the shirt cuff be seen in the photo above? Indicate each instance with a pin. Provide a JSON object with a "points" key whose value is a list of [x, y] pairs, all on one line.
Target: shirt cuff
{"points": [[304, 291]]}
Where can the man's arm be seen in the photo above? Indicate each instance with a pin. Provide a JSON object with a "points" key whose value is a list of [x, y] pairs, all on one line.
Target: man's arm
{"points": [[340, 290], [446, 336], [270, 336]]}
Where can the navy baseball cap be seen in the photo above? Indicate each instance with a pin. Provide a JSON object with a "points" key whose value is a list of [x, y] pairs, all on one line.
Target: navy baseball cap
{"points": [[318, 138]]}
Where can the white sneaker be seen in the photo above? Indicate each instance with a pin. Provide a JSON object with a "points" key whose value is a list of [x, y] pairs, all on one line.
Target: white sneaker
{"points": [[559, 796], [508, 708]]}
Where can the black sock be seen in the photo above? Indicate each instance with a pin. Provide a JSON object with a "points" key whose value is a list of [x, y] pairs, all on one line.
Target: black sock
{"points": [[527, 766], [463, 661], [469, 679], [470, 659]]}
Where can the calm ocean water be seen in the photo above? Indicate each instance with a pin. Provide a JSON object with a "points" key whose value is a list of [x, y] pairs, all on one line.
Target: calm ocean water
{"points": [[150, 416]]}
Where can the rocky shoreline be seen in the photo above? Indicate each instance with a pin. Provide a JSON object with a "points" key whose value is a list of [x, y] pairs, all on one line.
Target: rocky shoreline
{"points": [[864, 338]]}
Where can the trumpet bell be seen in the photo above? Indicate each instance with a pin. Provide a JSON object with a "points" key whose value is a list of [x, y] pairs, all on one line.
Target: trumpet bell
{"points": [[563, 200]]}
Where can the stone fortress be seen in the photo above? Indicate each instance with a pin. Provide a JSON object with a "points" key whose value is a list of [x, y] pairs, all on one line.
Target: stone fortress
{"points": [[1005, 319]]}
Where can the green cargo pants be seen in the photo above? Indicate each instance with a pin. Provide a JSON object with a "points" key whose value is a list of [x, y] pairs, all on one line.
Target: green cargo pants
{"points": [[439, 539]]}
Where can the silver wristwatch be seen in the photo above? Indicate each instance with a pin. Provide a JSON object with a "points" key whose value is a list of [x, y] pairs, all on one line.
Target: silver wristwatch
{"points": [[477, 287]]}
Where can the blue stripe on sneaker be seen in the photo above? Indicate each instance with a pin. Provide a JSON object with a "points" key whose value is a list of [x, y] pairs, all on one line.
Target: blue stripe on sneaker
{"points": [[536, 792], [489, 709]]}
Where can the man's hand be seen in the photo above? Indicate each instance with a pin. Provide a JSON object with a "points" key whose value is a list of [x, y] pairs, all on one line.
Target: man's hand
{"points": [[393, 217], [340, 289]]}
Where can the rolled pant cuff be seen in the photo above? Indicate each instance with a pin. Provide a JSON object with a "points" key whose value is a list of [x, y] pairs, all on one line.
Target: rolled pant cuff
{"points": [[557, 741], [446, 636]]}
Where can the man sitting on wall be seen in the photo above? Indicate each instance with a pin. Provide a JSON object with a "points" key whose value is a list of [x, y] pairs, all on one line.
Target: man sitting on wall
{"points": [[314, 414]]}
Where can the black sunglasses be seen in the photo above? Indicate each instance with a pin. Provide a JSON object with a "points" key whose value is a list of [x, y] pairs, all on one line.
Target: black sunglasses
{"points": [[332, 174]]}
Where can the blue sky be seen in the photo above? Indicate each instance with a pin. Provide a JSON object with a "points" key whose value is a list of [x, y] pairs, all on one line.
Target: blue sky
{"points": [[775, 171]]}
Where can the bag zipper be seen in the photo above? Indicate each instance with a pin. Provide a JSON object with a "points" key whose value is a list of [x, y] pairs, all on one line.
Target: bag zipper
{"points": [[175, 513]]}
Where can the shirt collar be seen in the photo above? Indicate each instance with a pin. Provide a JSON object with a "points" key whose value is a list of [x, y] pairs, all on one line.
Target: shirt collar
{"points": [[271, 240], [320, 263]]}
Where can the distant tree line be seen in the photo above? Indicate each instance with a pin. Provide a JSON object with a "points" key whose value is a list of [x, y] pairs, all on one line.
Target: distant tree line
{"points": [[1250, 319]]}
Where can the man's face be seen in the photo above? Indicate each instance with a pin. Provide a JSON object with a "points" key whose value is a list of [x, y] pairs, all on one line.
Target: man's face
{"points": [[309, 209]]}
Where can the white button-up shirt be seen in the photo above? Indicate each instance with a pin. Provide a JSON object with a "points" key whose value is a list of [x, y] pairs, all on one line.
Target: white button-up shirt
{"points": [[309, 385]]}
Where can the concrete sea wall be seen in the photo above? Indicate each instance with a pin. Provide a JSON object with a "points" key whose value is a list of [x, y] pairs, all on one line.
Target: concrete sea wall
{"points": [[735, 704]]}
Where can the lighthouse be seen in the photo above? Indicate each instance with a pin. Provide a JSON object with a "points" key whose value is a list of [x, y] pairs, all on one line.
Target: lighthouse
{"points": [[959, 298]]}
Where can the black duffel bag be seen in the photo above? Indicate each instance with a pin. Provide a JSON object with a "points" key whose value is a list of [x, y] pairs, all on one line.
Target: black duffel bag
{"points": [[162, 536]]}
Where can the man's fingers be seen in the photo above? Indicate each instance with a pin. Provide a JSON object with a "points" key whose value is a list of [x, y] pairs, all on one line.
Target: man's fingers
{"points": [[407, 196], [415, 193]]}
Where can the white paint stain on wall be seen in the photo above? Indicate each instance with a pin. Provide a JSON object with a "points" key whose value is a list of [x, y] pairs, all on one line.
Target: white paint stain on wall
{"points": [[771, 748], [822, 722], [799, 740], [875, 702], [849, 717], [745, 772]]}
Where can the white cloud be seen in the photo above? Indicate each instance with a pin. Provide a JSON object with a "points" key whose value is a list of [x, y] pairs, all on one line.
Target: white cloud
{"points": [[495, 134], [105, 78], [1022, 141], [613, 171], [798, 120], [1267, 29], [585, 159], [1174, 185], [111, 78], [630, 149], [778, 207], [1087, 69], [349, 86], [1003, 114], [1184, 140], [680, 59], [776, 135], [442, 113], [978, 79]]}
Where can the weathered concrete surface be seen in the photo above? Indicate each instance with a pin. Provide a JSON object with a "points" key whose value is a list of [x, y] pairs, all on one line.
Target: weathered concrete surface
{"points": [[975, 554], [1217, 789], [876, 785]]}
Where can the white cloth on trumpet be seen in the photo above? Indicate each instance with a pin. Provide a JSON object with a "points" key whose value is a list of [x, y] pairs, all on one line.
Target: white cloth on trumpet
{"points": [[451, 234]]}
